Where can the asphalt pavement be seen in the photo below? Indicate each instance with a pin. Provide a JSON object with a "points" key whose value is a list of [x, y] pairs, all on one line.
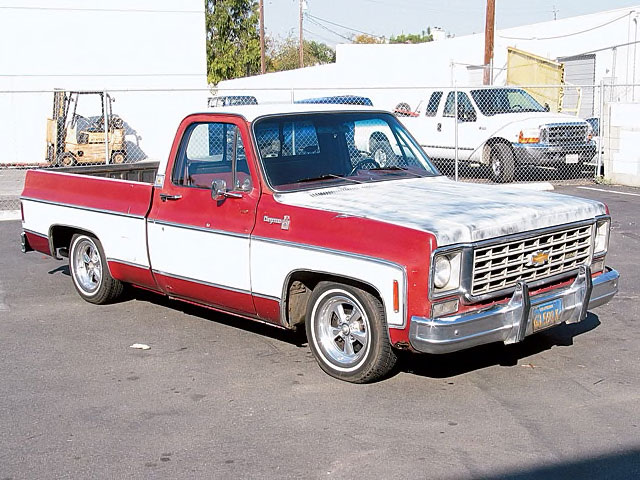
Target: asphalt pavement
{"points": [[220, 397]]}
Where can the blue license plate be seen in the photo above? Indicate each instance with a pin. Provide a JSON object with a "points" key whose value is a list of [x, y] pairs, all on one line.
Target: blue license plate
{"points": [[546, 314]]}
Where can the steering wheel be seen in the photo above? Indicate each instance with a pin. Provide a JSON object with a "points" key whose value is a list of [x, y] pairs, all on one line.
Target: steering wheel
{"points": [[96, 124], [362, 163], [517, 108]]}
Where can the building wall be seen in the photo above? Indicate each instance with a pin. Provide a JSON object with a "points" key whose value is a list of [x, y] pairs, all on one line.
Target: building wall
{"points": [[451, 61], [620, 133], [95, 45]]}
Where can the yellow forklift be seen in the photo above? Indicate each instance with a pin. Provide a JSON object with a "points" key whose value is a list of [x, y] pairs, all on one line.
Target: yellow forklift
{"points": [[73, 139]]}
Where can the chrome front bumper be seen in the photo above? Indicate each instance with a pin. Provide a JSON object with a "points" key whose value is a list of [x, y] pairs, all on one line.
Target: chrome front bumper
{"points": [[511, 322]]}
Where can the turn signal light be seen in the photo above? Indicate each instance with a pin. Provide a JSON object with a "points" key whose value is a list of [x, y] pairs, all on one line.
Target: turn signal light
{"points": [[396, 296], [528, 139]]}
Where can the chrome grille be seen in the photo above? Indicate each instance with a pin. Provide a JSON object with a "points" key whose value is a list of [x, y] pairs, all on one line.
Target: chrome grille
{"points": [[501, 266], [567, 134]]}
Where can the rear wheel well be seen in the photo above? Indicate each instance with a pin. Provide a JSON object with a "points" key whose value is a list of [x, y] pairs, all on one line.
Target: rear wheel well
{"points": [[299, 287], [60, 237]]}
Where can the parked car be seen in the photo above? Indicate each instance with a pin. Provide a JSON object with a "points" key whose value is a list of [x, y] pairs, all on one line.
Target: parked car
{"points": [[339, 100], [502, 128], [231, 100], [369, 260]]}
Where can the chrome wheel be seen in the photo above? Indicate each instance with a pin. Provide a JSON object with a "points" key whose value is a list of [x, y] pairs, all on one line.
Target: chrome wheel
{"points": [[380, 156], [341, 329], [87, 266]]}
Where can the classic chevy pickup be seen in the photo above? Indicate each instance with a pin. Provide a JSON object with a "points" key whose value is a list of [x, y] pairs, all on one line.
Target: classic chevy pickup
{"points": [[273, 213]]}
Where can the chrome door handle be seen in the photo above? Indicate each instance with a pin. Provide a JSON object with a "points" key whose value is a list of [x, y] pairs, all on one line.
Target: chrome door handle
{"points": [[165, 196]]}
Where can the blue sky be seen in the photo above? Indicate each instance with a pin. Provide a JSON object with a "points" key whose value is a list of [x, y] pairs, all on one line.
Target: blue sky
{"points": [[393, 17]]}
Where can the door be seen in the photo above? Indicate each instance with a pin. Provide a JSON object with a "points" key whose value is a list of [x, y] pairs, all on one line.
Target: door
{"points": [[198, 245], [466, 125]]}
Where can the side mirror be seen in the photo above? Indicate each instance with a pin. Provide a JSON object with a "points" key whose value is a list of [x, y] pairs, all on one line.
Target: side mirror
{"points": [[219, 191], [546, 107], [467, 115]]}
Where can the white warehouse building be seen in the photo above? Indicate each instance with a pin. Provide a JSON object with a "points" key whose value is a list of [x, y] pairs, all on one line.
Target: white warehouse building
{"points": [[150, 55]]}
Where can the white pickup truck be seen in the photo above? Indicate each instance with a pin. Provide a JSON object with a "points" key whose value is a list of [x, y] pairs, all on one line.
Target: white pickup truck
{"points": [[498, 127]]}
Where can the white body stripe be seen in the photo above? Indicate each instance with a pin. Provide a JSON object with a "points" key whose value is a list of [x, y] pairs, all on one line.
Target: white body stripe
{"points": [[272, 262], [218, 258], [122, 237], [203, 256]]}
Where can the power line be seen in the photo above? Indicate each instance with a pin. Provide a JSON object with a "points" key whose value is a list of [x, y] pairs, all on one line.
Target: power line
{"points": [[568, 34], [343, 26], [317, 35], [328, 29]]}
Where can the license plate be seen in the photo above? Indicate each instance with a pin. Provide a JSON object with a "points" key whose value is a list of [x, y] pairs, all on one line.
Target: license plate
{"points": [[546, 314], [572, 158]]}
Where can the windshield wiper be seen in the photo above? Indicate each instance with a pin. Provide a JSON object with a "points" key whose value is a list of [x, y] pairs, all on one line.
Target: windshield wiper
{"points": [[321, 177], [395, 169]]}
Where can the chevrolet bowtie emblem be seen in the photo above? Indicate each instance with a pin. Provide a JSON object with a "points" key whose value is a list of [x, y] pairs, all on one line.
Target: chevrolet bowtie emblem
{"points": [[537, 259]]}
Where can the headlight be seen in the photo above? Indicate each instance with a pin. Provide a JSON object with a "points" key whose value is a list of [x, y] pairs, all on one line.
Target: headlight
{"points": [[601, 242], [442, 272], [446, 272]]}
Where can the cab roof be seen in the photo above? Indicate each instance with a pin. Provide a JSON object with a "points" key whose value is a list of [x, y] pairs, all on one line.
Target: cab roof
{"points": [[251, 112]]}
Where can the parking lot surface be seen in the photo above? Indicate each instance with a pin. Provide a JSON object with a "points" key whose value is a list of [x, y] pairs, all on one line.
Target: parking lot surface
{"points": [[220, 397]]}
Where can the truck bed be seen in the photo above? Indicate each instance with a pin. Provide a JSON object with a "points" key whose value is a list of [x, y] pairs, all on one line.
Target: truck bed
{"points": [[95, 199]]}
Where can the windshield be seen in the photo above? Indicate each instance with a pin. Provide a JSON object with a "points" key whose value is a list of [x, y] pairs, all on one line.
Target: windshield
{"points": [[493, 101], [304, 150]]}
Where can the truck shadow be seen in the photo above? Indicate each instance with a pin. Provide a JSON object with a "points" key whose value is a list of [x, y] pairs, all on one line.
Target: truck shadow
{"points": [[622, 465], [477, 358], [296, 338]]}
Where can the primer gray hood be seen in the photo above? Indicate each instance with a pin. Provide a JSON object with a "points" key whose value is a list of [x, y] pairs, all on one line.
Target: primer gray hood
{"points": [[455, 212]]}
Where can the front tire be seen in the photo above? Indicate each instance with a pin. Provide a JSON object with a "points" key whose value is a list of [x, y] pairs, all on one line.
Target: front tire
{"points": [[502, 163], [89, 271], [347, 333]]}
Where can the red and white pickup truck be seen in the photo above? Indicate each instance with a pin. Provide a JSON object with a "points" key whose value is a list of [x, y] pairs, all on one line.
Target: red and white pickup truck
{"points": [[273, 213]]}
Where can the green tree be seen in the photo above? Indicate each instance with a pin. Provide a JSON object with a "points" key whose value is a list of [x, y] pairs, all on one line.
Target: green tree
{"points": [[233, 41], [413, 37], [284, 54]]}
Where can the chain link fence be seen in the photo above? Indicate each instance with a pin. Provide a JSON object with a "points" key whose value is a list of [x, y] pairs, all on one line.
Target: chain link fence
{"points": [[502, 134]]}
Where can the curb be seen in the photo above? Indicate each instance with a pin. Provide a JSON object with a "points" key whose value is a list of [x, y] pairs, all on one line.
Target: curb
{"points": [[6, 215]]}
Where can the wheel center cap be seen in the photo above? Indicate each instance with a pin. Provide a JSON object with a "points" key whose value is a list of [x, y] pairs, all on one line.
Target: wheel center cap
{"points": [[345, 329]]}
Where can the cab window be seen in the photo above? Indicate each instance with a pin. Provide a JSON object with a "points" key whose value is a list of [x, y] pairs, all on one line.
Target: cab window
{"points": [[434, 103], [211, 151]]}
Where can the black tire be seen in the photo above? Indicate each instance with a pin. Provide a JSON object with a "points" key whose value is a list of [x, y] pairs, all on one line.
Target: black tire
{"points": [[501, 163], [118, 157], [353, 345], [382, 153], [89, 271], [66, 159]]}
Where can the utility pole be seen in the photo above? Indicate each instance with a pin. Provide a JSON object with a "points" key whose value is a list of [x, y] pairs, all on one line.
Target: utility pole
{"points": [[301, 47], [488, 40], [262, 64]]}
